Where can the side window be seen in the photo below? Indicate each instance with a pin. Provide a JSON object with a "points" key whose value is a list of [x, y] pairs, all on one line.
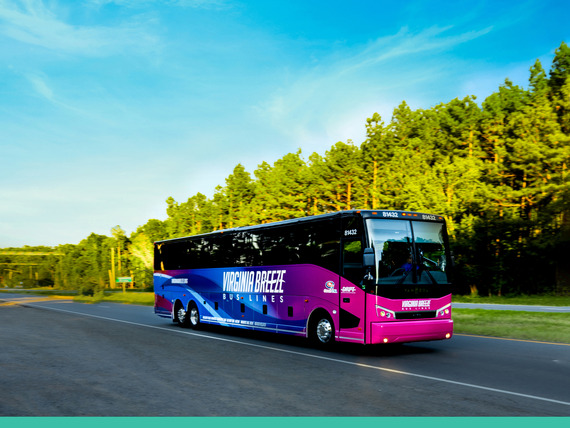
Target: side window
{"points": [[352, 269], [158, 258], [214, 256], [271, 248], [277, 246], [176, 255], [255, 242], [239, 250], [325, 240]]}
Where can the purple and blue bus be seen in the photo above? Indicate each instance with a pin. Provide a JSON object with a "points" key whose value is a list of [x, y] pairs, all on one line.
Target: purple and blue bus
{"points": [[352, 276]]}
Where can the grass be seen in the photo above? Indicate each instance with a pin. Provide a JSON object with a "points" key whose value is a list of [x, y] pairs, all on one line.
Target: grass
{"points": [[131, 298], [541, 300], [539, 326]]}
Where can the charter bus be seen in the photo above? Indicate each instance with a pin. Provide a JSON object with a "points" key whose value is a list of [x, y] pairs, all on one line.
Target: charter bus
{"points": [[352, 276]]}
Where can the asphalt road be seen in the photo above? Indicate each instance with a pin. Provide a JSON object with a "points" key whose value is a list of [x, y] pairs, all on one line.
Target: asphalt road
{"points": [[60, 358]]}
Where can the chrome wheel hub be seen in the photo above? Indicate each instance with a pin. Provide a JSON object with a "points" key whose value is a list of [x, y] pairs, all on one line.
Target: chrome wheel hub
{"points": [[181, 314], [194, 316], [324, 331]]}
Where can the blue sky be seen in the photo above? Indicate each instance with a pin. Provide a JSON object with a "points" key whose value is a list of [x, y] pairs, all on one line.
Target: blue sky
{"points": [[107, 107]]}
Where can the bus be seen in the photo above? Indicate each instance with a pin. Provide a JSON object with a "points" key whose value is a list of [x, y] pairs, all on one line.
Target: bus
{"points": [[359, 276]]}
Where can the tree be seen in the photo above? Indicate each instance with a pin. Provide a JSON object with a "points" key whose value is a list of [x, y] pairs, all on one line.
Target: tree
{"points": [[92, 263], [317, 200], [538, 82], [141, 251], [280, 189], [343, 177], [377, 151], [239, 192], [190, 217], [457, 129], [560, 69]]}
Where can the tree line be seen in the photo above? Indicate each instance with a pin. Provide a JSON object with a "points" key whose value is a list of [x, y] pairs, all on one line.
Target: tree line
{"points": [[497, 171]]}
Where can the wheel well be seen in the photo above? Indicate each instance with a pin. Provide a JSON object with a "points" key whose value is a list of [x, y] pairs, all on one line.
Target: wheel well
{"points": [[314, 317]]}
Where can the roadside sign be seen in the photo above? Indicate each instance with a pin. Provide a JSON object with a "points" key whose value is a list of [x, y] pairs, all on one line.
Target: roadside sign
{"points": [[124, 279]]}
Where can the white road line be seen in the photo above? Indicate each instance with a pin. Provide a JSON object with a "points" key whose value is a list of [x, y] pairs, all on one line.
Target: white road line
{"points": [[304, 354]]}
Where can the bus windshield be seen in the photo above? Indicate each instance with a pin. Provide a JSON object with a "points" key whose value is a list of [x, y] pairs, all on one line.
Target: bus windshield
{"points": [[408, 252]]}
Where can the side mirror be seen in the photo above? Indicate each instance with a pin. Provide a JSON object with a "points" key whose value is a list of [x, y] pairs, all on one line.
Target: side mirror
{"points": [[368, 258]]}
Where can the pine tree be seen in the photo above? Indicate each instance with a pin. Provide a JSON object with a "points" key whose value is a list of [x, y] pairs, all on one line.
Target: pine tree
{"points": [[343, 176], [317, 196], [560, 69], [239, 192], [377, 151], [280, 190]]}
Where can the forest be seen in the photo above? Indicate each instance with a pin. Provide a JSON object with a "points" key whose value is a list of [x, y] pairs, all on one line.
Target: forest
{"points": [[497, 170]]}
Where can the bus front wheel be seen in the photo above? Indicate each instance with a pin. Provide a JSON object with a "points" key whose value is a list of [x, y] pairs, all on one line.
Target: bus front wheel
{"points": [[181, 317], [322, 330]]}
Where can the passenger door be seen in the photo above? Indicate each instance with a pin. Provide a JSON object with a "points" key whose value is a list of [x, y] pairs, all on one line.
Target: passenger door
{"points": [[352, 295]]}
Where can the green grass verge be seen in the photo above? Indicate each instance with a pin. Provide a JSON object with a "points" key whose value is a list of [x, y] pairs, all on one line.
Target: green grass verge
{"points": [[540, 300], [539, 326], [132, 298]]}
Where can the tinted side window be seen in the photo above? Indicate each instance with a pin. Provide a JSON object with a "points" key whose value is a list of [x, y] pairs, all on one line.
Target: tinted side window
{"points": [[158, 257], [276, 246], [321, 243], [174, 255], [352, 253], [218, 251], [306, 242], [315, 243]]}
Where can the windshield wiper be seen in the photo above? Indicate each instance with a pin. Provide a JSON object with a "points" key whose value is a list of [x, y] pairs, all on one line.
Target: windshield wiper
{"points": [[422, 268], [405, 275]]}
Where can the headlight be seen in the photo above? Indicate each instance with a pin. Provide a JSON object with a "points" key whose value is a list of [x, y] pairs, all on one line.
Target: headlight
{"points": [[385, 313], [443, 312]]}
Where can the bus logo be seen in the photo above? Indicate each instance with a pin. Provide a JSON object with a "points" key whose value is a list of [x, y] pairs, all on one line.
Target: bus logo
{"points": [[329, 287]]}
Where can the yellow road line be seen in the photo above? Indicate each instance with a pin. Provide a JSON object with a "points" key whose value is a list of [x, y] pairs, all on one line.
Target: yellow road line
{"points": [[24, 300]]}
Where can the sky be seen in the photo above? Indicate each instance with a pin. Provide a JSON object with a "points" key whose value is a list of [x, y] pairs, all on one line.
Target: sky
{"points": [[109, 107]]}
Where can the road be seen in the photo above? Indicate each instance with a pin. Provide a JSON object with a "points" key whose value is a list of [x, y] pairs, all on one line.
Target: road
{"points": [[61, 358]]}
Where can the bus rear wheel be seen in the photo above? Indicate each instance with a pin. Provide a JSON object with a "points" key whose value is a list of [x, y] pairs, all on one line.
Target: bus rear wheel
{"points": [[322, 330]]}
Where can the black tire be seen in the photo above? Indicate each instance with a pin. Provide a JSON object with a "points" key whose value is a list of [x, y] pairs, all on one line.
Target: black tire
{"points": [[180, 315], [193, 316], [321, 331]]}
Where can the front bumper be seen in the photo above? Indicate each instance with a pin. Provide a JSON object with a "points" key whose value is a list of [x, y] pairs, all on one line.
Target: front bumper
{"points": [[410, 331]]}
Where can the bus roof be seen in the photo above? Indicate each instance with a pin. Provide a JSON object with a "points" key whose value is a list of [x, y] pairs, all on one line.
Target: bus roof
{"points": [[386, 214]]}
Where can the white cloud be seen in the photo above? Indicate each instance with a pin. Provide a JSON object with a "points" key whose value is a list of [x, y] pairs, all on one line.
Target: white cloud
{"points": [[41, 87], [31, 22], [331, 101], [406, 44], [198, 4]]}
